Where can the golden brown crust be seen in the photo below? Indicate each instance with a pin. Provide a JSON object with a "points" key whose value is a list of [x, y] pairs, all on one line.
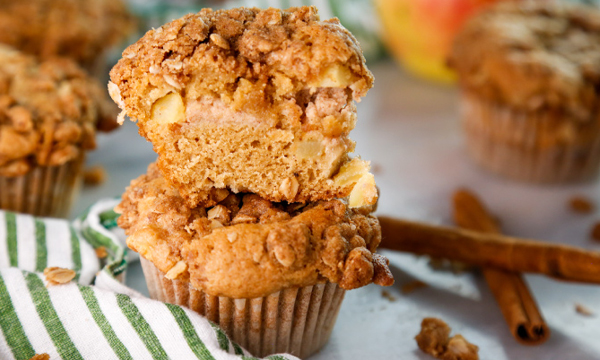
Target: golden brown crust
{"points": [[80, 30], [48, 112], [245, 246], [533, 55], [250, 57]]}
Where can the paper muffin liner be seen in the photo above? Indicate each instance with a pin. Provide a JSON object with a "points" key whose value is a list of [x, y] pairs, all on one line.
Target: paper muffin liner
{"points": [[506, 141], [298, 321], [43, 191]]}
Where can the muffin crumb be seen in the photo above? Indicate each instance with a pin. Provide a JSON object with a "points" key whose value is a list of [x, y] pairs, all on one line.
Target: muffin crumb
{"points": [[434, 339], [596, 232], [101, 252], [40, 357], [58, 275], [95, 175], [583, 310], [386, 294], [581, 205], [411, 286]]}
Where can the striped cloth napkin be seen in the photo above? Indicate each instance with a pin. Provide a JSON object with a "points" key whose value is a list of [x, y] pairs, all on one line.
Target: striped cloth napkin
{"points": [[80, 321]]}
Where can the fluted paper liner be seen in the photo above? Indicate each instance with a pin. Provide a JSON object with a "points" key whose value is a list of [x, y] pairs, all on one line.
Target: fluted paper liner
{"points": [[43, 191], [503, 140], [298, 321]]}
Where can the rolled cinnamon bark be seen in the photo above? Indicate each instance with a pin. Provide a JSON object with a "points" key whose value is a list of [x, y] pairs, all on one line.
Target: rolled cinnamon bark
{"points": [[518, 307], [516, 302], [491, 250]]}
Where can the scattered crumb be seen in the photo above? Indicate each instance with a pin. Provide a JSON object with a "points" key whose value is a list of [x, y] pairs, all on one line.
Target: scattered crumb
{"points": [[386, 294], [40, 357], [101, 252], [434, 339], [376, 169], [583, 310], [596, 231], [460, 349], [57, 275], [94, 175], [412, 286], [581, 205]]}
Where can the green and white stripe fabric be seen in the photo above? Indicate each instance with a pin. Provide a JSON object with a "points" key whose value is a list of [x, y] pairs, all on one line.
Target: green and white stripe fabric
{"points": [[33, 244], [98, 226], [81, 321]]}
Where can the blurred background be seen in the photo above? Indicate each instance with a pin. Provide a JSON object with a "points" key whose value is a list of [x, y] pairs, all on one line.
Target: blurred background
{"points": [[417, 33]]}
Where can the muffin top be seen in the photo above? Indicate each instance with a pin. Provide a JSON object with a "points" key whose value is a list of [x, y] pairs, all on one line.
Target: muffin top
{"points": [[249, 58], [533, 55], [49, 111], [245, 246], [77, 29]]}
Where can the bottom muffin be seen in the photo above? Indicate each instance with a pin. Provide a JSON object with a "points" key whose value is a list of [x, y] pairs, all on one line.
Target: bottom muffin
{"points": [[298, 321], [271, 274]]}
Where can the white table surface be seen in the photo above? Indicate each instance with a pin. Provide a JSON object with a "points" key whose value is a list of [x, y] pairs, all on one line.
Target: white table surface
{"points": [[410, 131]]}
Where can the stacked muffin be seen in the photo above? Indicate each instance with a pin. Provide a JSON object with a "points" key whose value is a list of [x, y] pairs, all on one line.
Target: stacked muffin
{"points": [[254, 215], [530, 74], [49, 112]]}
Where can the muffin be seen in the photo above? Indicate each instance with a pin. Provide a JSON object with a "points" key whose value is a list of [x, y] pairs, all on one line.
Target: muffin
{"points": [[49, 112], [80, 30], [530, 78], [254, 215], [272, 275], [258, 101]]}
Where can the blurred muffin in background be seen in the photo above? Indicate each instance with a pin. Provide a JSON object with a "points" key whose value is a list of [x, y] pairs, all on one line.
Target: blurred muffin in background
{"points": [[530, 79], [419, 33], [80, 30], [49, 113]]}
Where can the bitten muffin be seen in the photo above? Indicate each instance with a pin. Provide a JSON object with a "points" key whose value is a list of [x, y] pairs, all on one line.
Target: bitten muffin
{"points": [[80, 30], [285, 256], [250, 100], [49, 112], [530, 75]]}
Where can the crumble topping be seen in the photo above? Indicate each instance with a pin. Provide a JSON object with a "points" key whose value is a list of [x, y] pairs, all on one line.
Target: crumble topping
{"points": [[49, 112], [243, 246], [532, 55]]}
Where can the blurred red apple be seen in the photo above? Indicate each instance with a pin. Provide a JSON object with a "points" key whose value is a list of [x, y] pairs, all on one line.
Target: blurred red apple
{"points": [[420, 32]]}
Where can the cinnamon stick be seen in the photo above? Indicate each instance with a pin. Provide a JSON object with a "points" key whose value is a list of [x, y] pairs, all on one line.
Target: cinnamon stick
{"points": [[516, 302], [491, 250]]}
